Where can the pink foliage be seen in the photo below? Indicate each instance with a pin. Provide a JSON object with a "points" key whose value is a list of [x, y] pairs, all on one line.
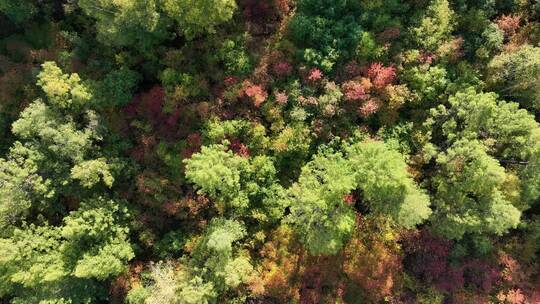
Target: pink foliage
{"points": [[354, 91], [282, 68], [426, 58], [255, 93], [230, 80], [349, 199], [369, 108], [281, 98], [315, 74], [508, 24], [239, 148], [380, 75]]}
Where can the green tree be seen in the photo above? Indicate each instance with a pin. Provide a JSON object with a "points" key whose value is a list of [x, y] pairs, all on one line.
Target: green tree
{"points": [[220, 261], [215, 266], [241, 186], [428, 83], [22, 185], [63, 91], [234, 57], [516, 75], [217, 172], [251, 133], [18, 11], [57, 145], [69, 262], [116, 89], [327, 31], [387, 188], [92, 172], [318, 211], [196, 17], [435, 27], [126, 22], [469, 193], [511, 134]]}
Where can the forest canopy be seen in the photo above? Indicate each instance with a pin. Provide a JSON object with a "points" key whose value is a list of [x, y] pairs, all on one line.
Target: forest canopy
{"points": [[269, 152]]}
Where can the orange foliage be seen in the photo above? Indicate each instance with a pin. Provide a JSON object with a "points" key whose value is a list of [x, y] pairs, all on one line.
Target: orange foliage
{"points": [[321, 280], [372, 263], [508, 24], [280, 258], [121, 285], [255, 93]]}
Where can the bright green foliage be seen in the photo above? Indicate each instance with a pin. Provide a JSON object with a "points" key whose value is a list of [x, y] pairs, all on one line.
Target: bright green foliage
{"points": [[510, 130], [278, 151], [70, 261], [63, 91], [293, 140], [317, 201], [38, 261], [220, 262], [427, 82], [469, 193], [124, 22], [137, 295], [492, 38], [237, 271], [18, 10], [436, 25], [234, 57], [252, 134], [32, 270], [387, 188], [196, 17], [236, 182], [214, 267], [96, 241], [21, 184], [193, 290], [512, 134], [221, 235], [55, 132], [530, 177], [53, 145], [92, 172], [217, 172], [173, 286], [318, 211], [516, 75]]}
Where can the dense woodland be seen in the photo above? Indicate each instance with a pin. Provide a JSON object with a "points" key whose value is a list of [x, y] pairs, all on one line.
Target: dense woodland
{"points": [[269, 151]]}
